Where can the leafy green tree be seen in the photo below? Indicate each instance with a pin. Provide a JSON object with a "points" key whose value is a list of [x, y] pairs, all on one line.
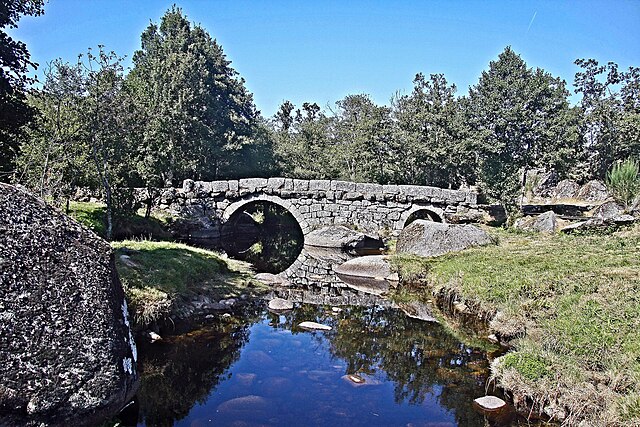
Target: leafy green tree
{"points": [[14, 64], [54, 156], [519, 119], [302, 141], [199, 118], [362, 139], [104, 122], [611, 117], [429, 138]]}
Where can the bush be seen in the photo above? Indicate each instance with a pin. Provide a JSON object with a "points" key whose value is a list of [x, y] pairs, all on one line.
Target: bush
{"points": [[624, 181]]}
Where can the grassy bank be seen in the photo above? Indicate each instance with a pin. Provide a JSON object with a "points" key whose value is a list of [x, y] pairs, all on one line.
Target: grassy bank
{"points": [[159, 277], [162, 278], [570, 307]]}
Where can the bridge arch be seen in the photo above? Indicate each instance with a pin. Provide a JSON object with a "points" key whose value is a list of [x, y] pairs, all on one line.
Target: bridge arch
{"points": [[299, 217], [420, 211]]}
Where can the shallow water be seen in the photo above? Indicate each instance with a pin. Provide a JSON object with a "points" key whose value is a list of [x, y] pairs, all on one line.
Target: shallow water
{"points": [[264, 370]]}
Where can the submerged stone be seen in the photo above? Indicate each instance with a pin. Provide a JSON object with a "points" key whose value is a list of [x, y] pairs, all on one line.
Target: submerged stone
{"points": [[280, 304], [314, 326], [373, 266], [490, 403]]}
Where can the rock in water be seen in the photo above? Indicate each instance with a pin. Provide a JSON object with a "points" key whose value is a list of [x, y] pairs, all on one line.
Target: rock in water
{"points": [[339, 236], [279, 304], [427, 238], [314, 326], [67, 356], [372, 266], [490, 403]]}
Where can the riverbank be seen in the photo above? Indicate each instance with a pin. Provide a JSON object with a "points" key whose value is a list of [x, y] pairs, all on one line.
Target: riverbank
{"points": [[168, 280], [569, 308], [165, 280]]}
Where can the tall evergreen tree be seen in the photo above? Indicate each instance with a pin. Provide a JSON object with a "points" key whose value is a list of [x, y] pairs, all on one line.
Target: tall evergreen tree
{"points": [[198, 115], [519, 118]]}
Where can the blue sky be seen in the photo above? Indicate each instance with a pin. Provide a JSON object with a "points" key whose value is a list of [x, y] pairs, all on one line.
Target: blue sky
{"points": [[320, 51]]}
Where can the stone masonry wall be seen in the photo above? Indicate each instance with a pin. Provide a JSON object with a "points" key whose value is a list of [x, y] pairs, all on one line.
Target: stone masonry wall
{"points": [[314, 203]]}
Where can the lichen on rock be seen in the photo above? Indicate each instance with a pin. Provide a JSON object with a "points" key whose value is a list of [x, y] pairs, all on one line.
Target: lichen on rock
{"points": [[67, 356]]}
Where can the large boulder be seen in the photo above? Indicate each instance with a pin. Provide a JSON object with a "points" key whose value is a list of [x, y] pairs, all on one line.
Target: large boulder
{"points": [[566, 189], [593, 191], [608, 210], [544, 223], [339, 236], [427, 238], [67, 356], [372, 267]]}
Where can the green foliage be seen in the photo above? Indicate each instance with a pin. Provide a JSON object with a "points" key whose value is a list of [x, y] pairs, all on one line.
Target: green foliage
{"points": [[532, 367], [157, 275], [410, 268], [519, 119], [91, 215], [610, 109], [14, 63], [575, 298], [131, 225], [624, 181], [198, 120], [428, 144]]}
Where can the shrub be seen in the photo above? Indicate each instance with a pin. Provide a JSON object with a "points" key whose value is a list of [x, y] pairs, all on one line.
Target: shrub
{"points": [[624, 181]]}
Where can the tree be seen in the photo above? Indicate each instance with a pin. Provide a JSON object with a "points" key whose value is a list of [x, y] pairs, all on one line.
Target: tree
{"points": [[429, 135], [199, 118], [362, 134], [14, 64], [611, 118], [302, 141], [519, 119], [104, 121], [54, 156]]}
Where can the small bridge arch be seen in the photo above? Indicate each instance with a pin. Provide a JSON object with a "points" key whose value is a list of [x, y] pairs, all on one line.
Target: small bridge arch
{"points": [[238, 205]]}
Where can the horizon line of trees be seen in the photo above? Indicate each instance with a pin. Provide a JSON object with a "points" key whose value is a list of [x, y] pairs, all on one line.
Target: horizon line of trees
{"points": [[184, 112]]}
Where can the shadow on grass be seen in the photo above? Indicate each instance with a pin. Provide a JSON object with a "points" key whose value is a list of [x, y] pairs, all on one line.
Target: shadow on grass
{"points": [[94, 216]]}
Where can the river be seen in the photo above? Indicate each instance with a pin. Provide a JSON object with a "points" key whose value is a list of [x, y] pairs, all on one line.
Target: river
{"points": [[377, 366]]}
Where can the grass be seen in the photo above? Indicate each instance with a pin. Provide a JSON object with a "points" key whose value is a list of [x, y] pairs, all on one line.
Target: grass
{"points": [[157, 276], [93, 215], [570, 306]]}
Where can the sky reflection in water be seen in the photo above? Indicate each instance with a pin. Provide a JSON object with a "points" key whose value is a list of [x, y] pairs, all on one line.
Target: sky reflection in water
{"points": [[266, 371]]}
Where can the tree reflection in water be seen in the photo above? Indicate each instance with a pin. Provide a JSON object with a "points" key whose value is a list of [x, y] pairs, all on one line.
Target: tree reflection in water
{"points": [[182, 369], [422, 363]]}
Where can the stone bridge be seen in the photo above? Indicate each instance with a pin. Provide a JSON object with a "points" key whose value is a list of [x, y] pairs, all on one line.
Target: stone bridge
{"points": [[204, 206]]}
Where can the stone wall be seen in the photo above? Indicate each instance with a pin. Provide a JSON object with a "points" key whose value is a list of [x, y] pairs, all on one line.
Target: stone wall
{"points": [[203, 206]]}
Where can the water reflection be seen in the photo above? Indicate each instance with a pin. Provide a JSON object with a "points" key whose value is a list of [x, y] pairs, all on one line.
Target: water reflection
{"points": [[264, 370], [263, 234]]}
